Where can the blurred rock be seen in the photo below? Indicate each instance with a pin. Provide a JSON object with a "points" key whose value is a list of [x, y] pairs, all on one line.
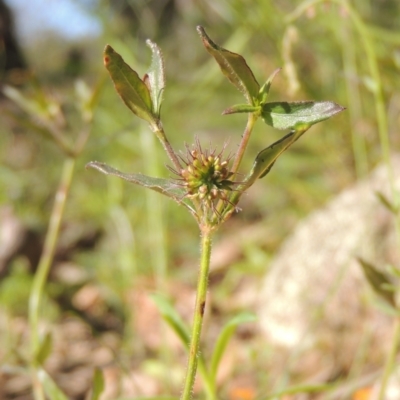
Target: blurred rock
{"points": [[315, 301]]}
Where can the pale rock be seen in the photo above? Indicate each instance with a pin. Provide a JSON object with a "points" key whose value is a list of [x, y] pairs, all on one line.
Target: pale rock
{"points": [[315, 298]]}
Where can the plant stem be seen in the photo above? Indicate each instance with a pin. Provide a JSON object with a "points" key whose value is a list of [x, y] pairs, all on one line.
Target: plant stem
{"points": [[45, 261], [206, 245], [168, 148], [391, 360], [252, 118]]}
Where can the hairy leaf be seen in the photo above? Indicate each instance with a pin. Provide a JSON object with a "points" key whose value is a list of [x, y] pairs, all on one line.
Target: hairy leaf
{"points": [[284, 115], [266, 158], [233, 66], [241, 108], [155, 78], [129, 86], [167, 187], [264, 91]]}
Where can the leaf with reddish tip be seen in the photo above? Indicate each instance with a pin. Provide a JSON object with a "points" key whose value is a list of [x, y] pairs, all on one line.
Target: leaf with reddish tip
{"points": [[266, 158], [284, 115], [129, 86], [156, 77], [168, 187], [241, 108], [233, 66]]}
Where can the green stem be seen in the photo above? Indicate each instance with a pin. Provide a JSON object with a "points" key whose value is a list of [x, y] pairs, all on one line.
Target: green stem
{"points": [[391, 359], [194, 348], [168, 148], [252, 118], [45, 261]]}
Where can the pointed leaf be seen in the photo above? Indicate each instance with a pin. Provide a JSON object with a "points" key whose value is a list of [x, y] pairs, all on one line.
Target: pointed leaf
{"points": [[378, 280], [224, 338], [284, 115], [395, 272], [156, 77], [241, 108], [266, 158], [233, 66], [45, 349], [51, 389], [98, 384], [264, 91], [168, 187], [129, 86], [173, 319], [387, 203]]}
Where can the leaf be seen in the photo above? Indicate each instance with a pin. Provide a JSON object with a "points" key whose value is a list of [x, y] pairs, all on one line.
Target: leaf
{"points": [[266, 158], [233, 66], [167, 187], [224, 338], [45, 349], [173, 319], [156, 77], [132, 90], [387, 203], [241, 108], [98, 384], [284, 115], [149, 398], [51, 389], [378, 281], [264, 91]]}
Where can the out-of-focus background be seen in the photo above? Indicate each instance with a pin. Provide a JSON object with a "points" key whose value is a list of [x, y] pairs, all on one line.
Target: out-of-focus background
{"points": [[119, 244]]}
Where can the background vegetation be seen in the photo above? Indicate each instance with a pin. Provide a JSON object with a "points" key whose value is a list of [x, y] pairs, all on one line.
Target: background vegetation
{"points": [[118, 243]]}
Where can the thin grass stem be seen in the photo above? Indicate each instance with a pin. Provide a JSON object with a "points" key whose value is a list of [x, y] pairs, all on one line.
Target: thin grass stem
{"points": [[45, 262], [391, 359]]}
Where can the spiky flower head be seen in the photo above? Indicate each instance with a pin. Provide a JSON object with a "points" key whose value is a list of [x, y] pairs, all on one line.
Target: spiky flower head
{"points": [[206, 176]]}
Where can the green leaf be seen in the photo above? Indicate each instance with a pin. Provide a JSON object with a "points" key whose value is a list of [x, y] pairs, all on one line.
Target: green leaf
{"points": [[51, 389], [224, 338], [387, 203], [98, 384], [264, 91], [149, 398], [45, 349], [132, 90], [233, 66], [155, 77], [241, 108], [379, 282], [284, 115], [173, 319], [266, 158], [168, 187], [395, 272]]}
